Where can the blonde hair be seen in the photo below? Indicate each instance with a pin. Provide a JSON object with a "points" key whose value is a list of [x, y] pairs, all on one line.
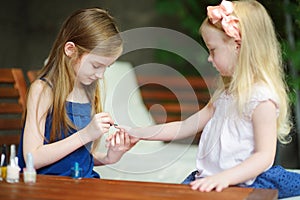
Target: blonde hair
{"points": [[259, 61], [91, 30]]}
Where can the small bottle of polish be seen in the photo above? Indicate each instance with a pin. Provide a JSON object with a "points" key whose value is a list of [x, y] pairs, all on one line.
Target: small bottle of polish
{"points": [[2, 159], [29, 172], [76, 171], [3, 164], [13, 170]]}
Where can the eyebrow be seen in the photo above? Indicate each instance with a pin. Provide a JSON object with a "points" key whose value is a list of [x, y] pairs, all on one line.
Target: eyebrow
{"points": [[98, 63]]}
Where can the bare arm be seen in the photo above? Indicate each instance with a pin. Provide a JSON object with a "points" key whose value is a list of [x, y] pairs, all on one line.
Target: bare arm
{"points": [[175, 130], [265, 137]]}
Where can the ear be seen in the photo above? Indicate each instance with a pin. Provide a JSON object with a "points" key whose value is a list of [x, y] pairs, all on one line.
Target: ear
{"points": [[237, 46], [70, 49]]}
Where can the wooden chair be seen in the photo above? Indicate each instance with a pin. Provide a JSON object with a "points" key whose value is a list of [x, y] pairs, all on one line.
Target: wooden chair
{"points": [[32, 75], [13, 90]]}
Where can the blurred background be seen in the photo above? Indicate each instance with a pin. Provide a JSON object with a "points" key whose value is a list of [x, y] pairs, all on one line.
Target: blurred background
{"points": [[29, 27]]}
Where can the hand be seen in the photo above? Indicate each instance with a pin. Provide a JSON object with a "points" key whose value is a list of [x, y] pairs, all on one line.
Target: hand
{"points": [[120, 141], [99, 125], [117, 144], [210, 183]]}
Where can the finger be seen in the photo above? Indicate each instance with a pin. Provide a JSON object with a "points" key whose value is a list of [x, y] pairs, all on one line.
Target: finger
{"points": [[100, 116], [219, 188], [127, 140], [104, 117], [118, 140], [107, 120], [207, 187], [122, 136], [195, 184], [109, 138], [105, 129], [120, 129], [112, 142]]}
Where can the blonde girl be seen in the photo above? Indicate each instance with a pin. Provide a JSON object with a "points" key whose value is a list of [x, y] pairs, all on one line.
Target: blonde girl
{"points": [[64, 114], [247, 113]]}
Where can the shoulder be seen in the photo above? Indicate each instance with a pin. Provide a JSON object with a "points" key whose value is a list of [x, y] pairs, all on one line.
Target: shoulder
{"points": [[262, 94], [39, 91], [39, 87]]}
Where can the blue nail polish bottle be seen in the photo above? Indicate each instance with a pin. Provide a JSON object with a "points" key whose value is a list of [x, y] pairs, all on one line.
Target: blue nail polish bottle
{"points": [[76, 171]]}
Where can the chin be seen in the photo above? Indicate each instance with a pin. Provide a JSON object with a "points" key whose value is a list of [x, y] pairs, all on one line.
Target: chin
{"points": [[87, 83]]}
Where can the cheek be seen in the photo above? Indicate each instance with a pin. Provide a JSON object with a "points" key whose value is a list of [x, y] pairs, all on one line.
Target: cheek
{"points": [[220, 60], [77, 65]]}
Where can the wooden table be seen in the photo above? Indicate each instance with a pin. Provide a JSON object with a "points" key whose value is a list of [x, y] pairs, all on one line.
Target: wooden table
{"points": [[57, 187]]}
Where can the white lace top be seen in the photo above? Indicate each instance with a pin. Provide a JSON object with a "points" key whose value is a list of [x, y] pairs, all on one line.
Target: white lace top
{"points": [[228, 139]]}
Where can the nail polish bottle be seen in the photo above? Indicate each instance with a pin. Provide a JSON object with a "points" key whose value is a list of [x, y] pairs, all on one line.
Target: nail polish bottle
{"points": [[3, 166], [13, 170], [29, 172], [2, 159], [76, 171]]}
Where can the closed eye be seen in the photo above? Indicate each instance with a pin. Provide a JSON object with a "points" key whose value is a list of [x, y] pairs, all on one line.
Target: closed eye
{"points": [[98, 66]]}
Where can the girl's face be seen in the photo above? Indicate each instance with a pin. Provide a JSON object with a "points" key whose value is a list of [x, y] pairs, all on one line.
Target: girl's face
{"points": [[223, 50], [91, 67]]}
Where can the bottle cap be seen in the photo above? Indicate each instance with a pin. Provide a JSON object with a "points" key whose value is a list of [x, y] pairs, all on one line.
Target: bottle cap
{"points": [[29, 162], [76, 166], [13, 155], [76, 171], [4, 152]]}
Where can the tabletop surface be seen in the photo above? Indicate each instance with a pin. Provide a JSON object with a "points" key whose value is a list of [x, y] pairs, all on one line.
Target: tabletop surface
{"points": [[58, 187]]}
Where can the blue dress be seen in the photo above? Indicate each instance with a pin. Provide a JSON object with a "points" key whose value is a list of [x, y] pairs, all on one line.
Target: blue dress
{"points": [[80, 115]]}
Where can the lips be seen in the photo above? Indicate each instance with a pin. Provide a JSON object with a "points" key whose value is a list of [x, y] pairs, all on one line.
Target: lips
{"points": [[93, 79]]}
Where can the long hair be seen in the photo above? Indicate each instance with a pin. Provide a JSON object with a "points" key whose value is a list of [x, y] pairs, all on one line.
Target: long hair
{"points": [[259, 61], [91, 30]]}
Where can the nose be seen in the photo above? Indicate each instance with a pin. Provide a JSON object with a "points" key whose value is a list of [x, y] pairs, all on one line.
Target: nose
{"points": [[209, 59], [99, 73]]}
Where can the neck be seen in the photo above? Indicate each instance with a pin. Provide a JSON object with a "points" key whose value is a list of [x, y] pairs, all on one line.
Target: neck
{"points": [[226, 81], [78, 94]]}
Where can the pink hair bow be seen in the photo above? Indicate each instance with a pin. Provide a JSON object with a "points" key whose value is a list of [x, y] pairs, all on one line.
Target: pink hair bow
{"points": [[223, 13]]}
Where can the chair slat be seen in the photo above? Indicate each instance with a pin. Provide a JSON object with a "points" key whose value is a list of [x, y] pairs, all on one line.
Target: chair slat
{"points": [[9, 92], [174, 108], [32, 75], [168, 96], [13, 90], [10, 108], [175, 82], [9, 139], [10, 124], [20, 85], [6, 76]]}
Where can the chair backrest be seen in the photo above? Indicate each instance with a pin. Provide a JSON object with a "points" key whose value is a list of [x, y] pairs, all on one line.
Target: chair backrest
{"points": [[13, 90], [32, 75]]}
